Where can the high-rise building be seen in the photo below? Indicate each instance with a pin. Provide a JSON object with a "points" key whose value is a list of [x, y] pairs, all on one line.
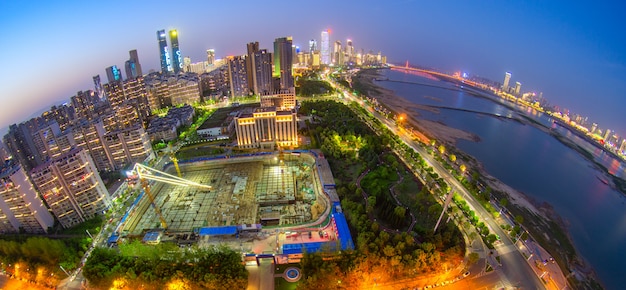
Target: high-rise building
{"points": [[84, 103], [312, 45], [176, 55], [283, 62], [128, 146], [210, 56], [263, 72], [338, 53], [20, 207], [164, 55], [325, 49], [349, 51], [252, 48], [72, 187], [607, 135], [132, 66], [113, 74], [507, 79], [238, 77], [20, 144], [518, 87], [97, 84]]}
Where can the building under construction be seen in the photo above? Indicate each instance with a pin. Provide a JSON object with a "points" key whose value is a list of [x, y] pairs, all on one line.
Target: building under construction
{"points": [[265, 188]]}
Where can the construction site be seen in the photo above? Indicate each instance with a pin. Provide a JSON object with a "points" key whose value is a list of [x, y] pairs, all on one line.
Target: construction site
{"points": [[266, 189]]}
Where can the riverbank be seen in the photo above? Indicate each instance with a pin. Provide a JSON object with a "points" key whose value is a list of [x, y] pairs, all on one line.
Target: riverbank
{"points": [[541, 221]]}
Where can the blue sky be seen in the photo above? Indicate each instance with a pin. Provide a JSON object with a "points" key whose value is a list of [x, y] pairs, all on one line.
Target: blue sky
{"points": [[572, 51]]}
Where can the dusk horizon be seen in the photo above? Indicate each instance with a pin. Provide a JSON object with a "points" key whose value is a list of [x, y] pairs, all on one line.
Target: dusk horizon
{"points": [[575, 61]]}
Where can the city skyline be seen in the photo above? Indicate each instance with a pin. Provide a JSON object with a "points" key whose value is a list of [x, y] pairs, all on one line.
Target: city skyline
{"points": [[568, 52]]}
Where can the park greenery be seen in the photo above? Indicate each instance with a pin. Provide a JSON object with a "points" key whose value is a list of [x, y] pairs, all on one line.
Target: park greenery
{"points": [[136, 265], [37, 259], [384, 250]]}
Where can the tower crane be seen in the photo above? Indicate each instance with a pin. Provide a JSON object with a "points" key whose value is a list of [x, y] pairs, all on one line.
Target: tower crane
{"points": [[146, 173]]}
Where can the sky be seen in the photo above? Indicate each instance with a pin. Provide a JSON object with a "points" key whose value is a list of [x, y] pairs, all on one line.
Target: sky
{"points": [[572, 51]]}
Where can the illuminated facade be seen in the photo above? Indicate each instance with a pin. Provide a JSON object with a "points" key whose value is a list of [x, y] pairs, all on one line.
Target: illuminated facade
{"points": [[325, 49], [84, 103], [507, 79], [113, 74], [177, 62], [267, 127], [72, 187], [349, 51], [132, 66], [337, 53], [518, 88], [282, 100], [283, 62], [21, 209], [164, 55], [128, 146]]}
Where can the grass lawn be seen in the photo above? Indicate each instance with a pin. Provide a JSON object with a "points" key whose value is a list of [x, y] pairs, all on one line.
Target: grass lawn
{"points": [[407, 189], [280, 282]]}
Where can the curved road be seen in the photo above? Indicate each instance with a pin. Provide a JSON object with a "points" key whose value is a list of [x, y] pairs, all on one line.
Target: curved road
{"points": [[516, 272]]}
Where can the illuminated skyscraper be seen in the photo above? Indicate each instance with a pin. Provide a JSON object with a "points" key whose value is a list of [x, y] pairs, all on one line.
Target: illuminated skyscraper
{"points": [[283, 62], [20, 206], [176, 55], [312, 45], [210, 56], [338, 54], [518, 88], [507, 78], [72, 187], [325, 49], [166, 65], [349, 51], [132, 66], [113, 74], [263, 72]]}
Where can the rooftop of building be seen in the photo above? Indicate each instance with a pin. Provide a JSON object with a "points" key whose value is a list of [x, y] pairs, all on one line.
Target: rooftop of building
{"points": [[220, 115], [8, 167]]}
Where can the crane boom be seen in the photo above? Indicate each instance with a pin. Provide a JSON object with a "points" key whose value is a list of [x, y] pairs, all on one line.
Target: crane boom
{"points": [[146, 173]]}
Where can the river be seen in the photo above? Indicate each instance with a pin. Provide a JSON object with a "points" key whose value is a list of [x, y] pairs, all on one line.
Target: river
{"points": [[537, 164]]}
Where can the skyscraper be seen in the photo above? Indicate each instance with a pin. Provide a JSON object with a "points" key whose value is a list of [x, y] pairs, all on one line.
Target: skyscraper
{"points": [[325, 49], [312, 45], [349, 51], [97, 84], [338, 54], [176, 55], [164, 55], [238, 77], [507, 78], [210, 56], [283, 61], [113, 74], [132, 66], [72, 187], [518, 87], [252, 49], [20, 206], [263, 72]]}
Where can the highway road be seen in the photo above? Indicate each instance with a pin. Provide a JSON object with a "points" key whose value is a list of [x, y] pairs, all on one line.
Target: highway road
{"points": [[515, 270]]}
